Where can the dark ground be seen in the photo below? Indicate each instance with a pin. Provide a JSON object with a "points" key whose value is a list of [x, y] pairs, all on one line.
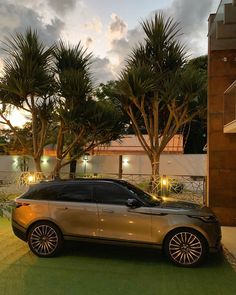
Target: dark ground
{"points": [[98, 269]]}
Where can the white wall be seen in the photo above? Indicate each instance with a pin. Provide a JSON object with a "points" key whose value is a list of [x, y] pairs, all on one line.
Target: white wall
{"points": [[171, 164]]}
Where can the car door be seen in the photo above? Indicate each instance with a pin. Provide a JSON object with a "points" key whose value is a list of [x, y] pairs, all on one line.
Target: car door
{"points": [[74, 211], [115, 219]]}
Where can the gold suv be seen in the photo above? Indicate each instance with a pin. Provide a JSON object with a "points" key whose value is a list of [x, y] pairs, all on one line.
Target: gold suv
{"points": [[113, 211]]}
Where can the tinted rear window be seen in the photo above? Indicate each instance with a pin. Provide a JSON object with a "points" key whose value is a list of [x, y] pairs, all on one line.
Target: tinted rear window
{"points": [[73, 192]]}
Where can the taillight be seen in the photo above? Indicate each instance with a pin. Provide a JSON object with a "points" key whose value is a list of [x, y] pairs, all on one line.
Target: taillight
{"points": [[19, 204]]}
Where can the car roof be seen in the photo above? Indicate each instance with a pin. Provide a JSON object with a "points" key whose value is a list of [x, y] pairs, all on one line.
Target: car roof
{"points": [[45, 183]]}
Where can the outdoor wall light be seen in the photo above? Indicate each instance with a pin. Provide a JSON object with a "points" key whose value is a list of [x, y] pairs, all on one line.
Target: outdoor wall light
{"points": [[15, 160], [85, 157], [164, 181], [164, 185], [31, 179], [126, 162], [85, 160], [44, 161]]}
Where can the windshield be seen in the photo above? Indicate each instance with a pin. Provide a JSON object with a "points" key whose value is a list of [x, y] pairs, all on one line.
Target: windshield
{"points": [[143, 196]]}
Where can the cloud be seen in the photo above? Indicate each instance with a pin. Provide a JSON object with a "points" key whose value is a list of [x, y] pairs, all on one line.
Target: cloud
{"points": [[102, 71], [117, 28], [192, 16], [62, 6], [94, 25], [16, 18], [120, 49], [89, 42]]}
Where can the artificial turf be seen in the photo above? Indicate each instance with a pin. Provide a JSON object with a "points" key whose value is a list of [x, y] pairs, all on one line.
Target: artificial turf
{"points": [[98, 269]]}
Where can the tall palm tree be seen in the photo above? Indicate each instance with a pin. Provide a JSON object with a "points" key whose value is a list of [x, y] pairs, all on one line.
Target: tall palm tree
{"points": [[156, 91], [28, 84], [74, 88], [84, 122]]}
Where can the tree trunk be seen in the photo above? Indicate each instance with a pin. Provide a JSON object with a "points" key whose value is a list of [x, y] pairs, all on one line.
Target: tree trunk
{"points": [[73, 168], [155, 178], [57, 168], [60, 144], [37, 163]]}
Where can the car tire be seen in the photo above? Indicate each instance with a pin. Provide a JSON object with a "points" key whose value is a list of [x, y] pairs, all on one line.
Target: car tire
{"points": [[45, 239], [185, 247]]}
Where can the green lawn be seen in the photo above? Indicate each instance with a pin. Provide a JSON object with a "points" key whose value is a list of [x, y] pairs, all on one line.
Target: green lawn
{"points": [[97, 269]]}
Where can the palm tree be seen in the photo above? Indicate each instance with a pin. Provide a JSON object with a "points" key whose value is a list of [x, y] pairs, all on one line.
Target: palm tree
{"points": [[156, 91], [28, 84], [84, 122], [74, 88]]}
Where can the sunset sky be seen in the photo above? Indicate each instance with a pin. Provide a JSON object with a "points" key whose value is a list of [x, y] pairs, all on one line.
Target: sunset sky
{"points": [[109, 28]]}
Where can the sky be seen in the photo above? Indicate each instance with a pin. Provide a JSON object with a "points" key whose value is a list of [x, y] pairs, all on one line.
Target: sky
{"points": [[107, 28]]}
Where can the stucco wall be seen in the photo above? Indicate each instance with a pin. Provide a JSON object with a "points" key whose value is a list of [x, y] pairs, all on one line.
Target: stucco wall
{"points": [[194, 165]]}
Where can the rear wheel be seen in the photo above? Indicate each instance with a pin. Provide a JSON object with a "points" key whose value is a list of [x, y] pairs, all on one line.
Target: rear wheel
{"points": [[185, 247], [45, 239]]}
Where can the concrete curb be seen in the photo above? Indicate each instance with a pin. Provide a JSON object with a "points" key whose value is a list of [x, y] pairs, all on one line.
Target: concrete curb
{"points": [[229, 257]]}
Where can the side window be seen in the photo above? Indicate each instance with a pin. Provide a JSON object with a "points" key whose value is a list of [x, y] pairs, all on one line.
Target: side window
{"points": [[111, 193], [42, 193], [72, 192], [80, 192]]}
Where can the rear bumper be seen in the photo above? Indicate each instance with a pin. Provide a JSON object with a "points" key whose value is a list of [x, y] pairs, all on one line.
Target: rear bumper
{"points": [[19, 231]]}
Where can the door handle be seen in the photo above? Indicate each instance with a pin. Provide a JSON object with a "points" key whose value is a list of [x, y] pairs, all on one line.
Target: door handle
{"points": [[108, 210]]}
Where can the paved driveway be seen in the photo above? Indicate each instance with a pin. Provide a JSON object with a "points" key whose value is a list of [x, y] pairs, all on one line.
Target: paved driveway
{"points": [[96, 269]]}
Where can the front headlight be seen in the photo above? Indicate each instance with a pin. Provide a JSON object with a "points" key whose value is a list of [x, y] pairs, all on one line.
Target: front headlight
{"points": [[207, 218]]}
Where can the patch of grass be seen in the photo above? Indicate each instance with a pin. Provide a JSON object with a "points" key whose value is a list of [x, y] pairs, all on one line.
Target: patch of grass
{"points": [[7, 197], [91, 269], [6, 204]]}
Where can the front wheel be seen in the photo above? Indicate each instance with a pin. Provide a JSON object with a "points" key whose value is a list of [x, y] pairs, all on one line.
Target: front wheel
{"points": [[185, 247], [45, 239]]}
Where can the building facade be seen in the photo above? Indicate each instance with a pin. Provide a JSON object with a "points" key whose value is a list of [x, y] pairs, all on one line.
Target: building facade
{"points": [[222, 112]]}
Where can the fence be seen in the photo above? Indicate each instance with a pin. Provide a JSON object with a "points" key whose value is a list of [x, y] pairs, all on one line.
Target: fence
{"points": [[190, 188]]}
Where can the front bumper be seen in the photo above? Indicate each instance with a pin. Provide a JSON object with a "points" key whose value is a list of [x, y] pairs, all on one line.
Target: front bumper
{"points": [[215, 239]]}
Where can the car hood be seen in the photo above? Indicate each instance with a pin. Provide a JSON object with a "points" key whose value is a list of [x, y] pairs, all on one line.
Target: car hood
{"points": [[182, 206]]}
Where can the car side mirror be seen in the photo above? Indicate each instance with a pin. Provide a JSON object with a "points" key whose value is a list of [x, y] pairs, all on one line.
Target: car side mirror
{"points": [[133, 203]]}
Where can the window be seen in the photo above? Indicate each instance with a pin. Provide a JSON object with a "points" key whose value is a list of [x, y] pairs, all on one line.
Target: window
{"points": [[111, 193], [76, 192], [71, 192], [39, 192]]}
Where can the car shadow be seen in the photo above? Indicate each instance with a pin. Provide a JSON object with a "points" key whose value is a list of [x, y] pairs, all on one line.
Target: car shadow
{"points": [[129, 253]]}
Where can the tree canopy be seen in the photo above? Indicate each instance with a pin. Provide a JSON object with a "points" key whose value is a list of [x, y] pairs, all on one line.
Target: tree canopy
{"points": [[159, 89], [158, 93]]}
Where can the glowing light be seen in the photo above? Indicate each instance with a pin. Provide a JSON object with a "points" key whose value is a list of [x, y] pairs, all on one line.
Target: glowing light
{"points": [[125, 162], [164, 180], [44, 161], [31, 178], [164, 185]]}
